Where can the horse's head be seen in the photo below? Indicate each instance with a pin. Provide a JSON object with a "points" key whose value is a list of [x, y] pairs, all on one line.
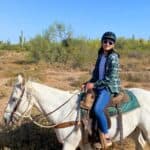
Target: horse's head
{"points": [[17, 104]]}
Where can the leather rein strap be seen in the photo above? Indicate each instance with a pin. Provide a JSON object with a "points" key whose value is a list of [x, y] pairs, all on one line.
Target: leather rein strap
{"points": [[48, 114], [68, 124]]}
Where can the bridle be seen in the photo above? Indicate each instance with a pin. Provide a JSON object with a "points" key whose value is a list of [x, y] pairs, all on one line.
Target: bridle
{"points": [[17, 105], [59, 125]]}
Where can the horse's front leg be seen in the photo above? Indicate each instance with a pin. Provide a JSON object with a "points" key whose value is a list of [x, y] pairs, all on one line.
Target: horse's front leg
{"points": [[73, 140]]}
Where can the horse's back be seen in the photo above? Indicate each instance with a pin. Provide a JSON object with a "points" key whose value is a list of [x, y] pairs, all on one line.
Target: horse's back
{"points": [[141, 94]]}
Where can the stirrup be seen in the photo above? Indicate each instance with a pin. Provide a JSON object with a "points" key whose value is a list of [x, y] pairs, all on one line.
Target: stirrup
{"points": [[108, 142], [97, 145]]}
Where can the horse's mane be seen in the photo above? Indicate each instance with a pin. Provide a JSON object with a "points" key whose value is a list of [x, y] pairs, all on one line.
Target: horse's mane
{"points": [[47, 88]]}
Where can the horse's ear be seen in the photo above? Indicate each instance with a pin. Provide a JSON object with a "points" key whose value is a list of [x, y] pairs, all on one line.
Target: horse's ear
{"points": [[20, 79]]}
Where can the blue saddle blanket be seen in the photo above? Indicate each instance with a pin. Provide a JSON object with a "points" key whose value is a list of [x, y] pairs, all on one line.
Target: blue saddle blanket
{"points": [[131, 104]]}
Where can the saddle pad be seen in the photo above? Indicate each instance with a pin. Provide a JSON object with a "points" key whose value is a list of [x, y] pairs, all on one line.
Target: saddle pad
{"points": [[131, 104]]}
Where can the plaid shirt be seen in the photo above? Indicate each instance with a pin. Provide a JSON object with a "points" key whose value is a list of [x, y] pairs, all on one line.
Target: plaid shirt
{"points": [[111, 78]]}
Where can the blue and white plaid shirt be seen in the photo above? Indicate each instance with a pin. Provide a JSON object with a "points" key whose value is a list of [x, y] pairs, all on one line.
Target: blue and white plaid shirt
{"points": [[111, 77]]}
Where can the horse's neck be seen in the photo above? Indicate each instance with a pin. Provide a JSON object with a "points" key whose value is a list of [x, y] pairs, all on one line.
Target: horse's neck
{"points": [[48, 99], [42, 89]]}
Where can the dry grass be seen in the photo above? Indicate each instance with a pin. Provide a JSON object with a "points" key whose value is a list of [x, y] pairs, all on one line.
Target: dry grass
{"points": [[136, 76]]}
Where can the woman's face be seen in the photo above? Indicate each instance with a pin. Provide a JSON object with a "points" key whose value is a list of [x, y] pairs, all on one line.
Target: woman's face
{"points": [[107, 44]]}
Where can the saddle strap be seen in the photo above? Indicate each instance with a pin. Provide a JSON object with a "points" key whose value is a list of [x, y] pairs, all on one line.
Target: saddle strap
{"points": [[68, 124], [120, 125]]}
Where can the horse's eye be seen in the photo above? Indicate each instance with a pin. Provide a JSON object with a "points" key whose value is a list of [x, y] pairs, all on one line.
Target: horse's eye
{"points": [[13, 99]]}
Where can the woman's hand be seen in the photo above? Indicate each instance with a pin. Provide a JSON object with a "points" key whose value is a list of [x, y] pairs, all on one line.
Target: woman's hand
{"points": [[89, 86]]}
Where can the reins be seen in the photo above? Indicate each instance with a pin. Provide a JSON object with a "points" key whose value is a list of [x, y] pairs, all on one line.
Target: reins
{"points": [[50, 113], [58, 125]]}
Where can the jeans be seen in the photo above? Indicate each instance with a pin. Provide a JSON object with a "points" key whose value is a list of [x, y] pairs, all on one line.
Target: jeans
{"points": [[102, 100]]}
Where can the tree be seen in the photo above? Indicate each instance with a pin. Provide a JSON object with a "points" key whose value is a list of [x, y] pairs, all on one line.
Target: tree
{"points": [[57, 32]]}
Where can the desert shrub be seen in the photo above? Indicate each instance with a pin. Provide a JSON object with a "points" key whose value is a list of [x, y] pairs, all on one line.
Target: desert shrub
{"points": [[57, 45], [13, 47], [28, 136], [37, 47], [135, 54], [136, 76], [77, 53]]}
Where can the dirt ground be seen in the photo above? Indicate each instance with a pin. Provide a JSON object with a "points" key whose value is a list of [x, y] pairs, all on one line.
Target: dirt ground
{"points": [[12, 63]]}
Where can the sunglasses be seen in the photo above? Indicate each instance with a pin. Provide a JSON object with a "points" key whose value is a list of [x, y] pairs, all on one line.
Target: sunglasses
{"points": [[108, 41]]}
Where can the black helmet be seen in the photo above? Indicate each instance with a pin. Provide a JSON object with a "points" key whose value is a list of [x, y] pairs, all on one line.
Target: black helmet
{"points": [[109, 35]]}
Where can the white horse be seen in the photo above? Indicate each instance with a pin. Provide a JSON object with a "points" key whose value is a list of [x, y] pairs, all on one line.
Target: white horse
{"points": [[61, 107]]}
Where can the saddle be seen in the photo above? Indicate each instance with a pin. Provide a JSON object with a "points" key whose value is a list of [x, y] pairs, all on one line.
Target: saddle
{"points": [[88, 99], [86, 103]]}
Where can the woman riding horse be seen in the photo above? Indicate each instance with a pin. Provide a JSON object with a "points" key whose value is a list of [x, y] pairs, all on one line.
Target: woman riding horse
{"points": [[105, 80]]}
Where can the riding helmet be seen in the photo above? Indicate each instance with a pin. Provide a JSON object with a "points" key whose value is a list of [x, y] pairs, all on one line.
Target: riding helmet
{"points": [[109, 35]]}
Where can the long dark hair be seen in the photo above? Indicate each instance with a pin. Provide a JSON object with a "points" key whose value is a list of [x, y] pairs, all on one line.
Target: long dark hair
{"points": [[101, 50]]}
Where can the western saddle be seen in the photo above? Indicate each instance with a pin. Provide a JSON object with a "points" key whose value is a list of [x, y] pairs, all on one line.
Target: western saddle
{"points": [[87, 102]]}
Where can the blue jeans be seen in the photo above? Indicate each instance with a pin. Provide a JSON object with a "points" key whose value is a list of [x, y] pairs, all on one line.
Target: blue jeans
{"points": [[101, 102]]}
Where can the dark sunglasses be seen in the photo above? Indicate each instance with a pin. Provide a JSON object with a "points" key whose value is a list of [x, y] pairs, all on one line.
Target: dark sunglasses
{"points": [[108, 41]]}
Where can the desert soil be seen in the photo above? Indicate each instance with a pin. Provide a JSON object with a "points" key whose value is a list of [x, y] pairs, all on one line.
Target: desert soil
{"points": [[12, 63]]}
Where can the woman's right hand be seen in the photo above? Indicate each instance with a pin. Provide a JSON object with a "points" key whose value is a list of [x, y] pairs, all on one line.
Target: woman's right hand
{"points": [[89, 86]]}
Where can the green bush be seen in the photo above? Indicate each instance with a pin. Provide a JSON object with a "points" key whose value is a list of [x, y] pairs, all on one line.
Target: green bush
{"points": [[57, 45]]}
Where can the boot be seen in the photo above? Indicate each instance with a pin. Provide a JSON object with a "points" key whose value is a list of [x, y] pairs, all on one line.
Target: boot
{"points": [[105, 142]]}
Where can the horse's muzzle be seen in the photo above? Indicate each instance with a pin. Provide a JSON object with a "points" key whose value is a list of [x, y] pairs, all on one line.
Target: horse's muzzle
{"points": [[7, 118]]}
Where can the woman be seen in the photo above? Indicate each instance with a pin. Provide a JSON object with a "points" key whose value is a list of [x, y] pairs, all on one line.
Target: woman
{"points": [[105, 80]]}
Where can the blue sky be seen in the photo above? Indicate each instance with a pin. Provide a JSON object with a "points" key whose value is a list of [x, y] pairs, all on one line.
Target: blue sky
{"points": [[89, 18]]}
